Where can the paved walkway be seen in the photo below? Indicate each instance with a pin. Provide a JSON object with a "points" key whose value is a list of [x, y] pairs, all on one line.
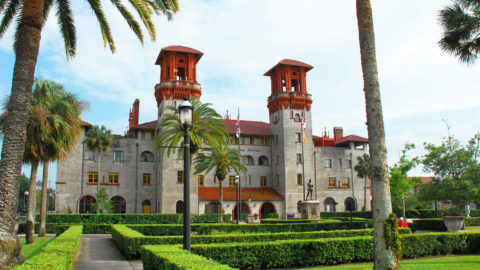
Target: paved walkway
{"points": [[97, 251]]}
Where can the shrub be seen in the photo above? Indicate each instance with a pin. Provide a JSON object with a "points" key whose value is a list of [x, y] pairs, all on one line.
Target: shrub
{"points": [[360, 214], [437, 224], [173, 257], [58, 228], [59, 253]]}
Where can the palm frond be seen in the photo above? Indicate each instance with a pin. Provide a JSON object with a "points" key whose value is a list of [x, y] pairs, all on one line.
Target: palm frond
{"points": [[104, 27], [166, 7], [46, 10], [67, 26], [129, 18], [2, 4], [144, 11], [8, 14]]}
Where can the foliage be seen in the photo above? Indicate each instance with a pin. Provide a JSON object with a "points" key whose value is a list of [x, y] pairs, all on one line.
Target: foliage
{"points": [[400, 184], [461, 27], [455, 168], [99, 139], [360, 214], [437, 224], [59, 228], [392, 237], [59, 253], [103, 204], [24, 183], [172, 257], [363, 166]]}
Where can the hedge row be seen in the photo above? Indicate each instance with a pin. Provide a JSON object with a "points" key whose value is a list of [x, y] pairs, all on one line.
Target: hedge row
{"points": [[59, 253], [204, 229], [437, 224], [422, 213], [130, 241], [276, 220], [360, 214], [173, 257], [58, 228], [131, 218], [301, 253]]}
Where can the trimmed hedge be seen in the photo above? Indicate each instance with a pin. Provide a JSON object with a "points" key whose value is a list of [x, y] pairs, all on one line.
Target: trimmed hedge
{"points": [[173, 257], [204, 229], [300, 253], [360, 214], [437, 224], [276, 220], [58, 228], [430, 213], [59, 253]]}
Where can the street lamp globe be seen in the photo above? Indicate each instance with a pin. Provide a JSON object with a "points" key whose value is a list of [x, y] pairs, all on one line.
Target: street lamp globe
{"points": [[26, 193], [186, 112], [237, 178]]}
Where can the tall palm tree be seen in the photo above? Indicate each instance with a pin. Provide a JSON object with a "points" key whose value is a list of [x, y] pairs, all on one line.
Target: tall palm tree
{"points": [[363, 170], [461, 29], [385, 256], [221, 159], [99, 139], [31, 16]]}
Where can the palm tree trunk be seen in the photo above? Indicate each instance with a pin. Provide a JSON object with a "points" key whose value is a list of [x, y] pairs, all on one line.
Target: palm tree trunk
{"points": [[32, 203], [26, 51], [43, 204], [220, 201], [365, 194], [384, 257]]}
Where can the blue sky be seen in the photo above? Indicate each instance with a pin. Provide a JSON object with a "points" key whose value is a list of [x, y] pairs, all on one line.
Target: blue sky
{"points": [[420, 84]]}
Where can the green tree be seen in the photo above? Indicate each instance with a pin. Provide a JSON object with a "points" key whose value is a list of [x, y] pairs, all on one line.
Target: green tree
{"points": [[24, 183], [103, 204], [30, 16], [461, 29], [385, 255], [221, 159], [99, 139], [400, 184], [363, 171]]}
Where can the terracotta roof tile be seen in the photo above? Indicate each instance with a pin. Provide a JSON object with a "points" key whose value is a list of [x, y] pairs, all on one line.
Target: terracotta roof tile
{"points": [[212, 193], [425, 179], [176, 48], [248, 127], [86, 124], [148, 125], [289, 62], [353, 138]]}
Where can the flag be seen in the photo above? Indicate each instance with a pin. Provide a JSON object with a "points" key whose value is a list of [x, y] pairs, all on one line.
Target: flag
{"points": [[238, 124], [304, 123], [304, 137], [238, 132]]}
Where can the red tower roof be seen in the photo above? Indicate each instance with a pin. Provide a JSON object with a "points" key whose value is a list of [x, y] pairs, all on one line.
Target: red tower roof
{"points": [[176, 48], [289, 62], [248, 127]]}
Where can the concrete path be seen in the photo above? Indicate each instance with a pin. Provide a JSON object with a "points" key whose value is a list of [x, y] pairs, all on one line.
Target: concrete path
{"points": [[97, 251]]}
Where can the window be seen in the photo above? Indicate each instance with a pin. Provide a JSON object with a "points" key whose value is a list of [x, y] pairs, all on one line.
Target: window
{"points": [[299, 179], [149, 135], [180, 74], [248, 160], [345, 182], [264, 140], [297, 117], [332, 182], [233, 139], [348, 164], [147, 179], [294, 85], [299, 158], [179, 177], [328, 163], [246, 140], [263, 161], [256, 140], [263, 181], [298, 137], [113, 178], [200, 180], [231, 180], [92, 177], [118, 156], [90, 155], [146, 156]]}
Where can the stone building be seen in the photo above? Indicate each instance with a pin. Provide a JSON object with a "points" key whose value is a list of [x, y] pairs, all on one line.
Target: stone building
{"points": [[140, 179]]}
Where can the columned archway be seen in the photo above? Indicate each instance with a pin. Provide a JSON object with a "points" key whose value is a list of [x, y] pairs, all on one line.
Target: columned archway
{"points": [[350, 204], [245, 210], [179, 207]]}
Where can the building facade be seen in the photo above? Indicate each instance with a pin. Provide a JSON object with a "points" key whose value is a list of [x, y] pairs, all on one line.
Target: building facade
{"points": [[281, 161]]}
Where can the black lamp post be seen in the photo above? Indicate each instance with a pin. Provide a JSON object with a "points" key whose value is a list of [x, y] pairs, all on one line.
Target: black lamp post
{"points": [[186, 115], [237, 198]]}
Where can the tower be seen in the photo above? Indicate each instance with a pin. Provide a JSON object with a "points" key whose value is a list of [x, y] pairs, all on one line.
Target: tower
{"points": [[178, 79], [288, 103]]}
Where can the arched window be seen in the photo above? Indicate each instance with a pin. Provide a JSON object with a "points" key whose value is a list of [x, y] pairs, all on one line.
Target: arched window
{"points": [[263, 161], [146, 207], [350, 204], [297, 117], [119, 205], [266, 209], [248, 160], [244, 210], [146, 156], [179, 207], [86, 204], [330, 205], [298, 206], [211, 208]]}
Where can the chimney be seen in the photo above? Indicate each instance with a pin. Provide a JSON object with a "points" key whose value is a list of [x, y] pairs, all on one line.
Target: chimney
{"points": [[337, 133], [134, 112]]}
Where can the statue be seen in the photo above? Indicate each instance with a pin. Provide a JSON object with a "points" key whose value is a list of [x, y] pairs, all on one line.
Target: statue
{"points": [[310, 189]]}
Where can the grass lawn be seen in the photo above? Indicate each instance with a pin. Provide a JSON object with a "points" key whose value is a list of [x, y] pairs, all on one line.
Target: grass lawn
{"points": [[473, 228], [441, 263], [32, 250]]}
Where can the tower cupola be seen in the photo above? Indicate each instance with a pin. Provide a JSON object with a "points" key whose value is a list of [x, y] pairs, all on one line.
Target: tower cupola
{"points": [[288, 85], [178, 75]]}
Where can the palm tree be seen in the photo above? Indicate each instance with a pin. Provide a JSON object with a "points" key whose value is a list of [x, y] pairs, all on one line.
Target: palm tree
{"points": [[221, 159], [461, 29], [363, 170], [99, 139], [385, 255]]}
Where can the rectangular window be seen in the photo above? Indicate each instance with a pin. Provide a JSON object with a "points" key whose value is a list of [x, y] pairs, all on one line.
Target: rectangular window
{"points": [[348, 164], [256, 140], [200, 180], [299, 158], [233, 139], [118, 156], [231, 180], [90, 155], [147, 179], [299, 179], [298, 137], [113, 178], [92, 177], [328, 163], [149, 135], [263, 181], [332, 182], [340, 162], [346, 182], [179, 177]]}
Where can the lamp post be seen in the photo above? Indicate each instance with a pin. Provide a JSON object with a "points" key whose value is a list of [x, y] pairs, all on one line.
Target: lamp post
{"points": [[237, 197], [25, 196], [186, 115]]}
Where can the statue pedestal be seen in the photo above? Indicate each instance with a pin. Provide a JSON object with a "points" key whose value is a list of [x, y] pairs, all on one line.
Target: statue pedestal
{"points": [[310, 209]]}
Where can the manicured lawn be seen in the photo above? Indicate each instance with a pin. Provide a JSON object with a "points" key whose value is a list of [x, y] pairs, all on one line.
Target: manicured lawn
{"points": [[32, 250], [473, 228], [440, 263]]}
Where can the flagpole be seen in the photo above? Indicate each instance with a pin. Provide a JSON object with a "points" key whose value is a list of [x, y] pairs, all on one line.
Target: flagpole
{"points": [[239, 218], [303, 155]]}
